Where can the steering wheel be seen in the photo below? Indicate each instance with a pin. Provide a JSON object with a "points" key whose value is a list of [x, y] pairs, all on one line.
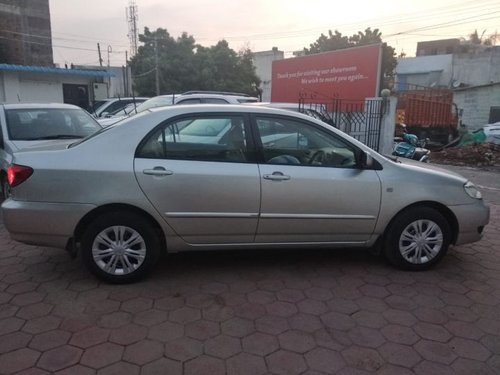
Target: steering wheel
{"points": [[318, 157]]}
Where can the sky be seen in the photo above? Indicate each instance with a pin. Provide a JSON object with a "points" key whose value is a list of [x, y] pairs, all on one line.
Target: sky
{"points": [[290, 25]]}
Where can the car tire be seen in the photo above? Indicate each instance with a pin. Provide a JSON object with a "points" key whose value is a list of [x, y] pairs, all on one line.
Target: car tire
{"points": [[104, 252], [417, 239]]}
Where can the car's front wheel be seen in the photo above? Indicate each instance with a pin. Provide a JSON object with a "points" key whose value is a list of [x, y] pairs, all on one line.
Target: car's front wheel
{"points": [[120, 247], [417, 238]]}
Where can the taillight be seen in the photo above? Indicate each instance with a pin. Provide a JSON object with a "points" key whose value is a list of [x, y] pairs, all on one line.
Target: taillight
{"points": [[17, 174]]}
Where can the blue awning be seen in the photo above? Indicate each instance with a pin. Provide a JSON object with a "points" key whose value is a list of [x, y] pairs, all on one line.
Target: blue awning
{"points": [[50, 70]]}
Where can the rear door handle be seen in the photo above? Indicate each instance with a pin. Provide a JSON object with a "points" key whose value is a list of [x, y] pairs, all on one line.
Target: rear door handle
{"points": [[276, 176], [157, 171]]}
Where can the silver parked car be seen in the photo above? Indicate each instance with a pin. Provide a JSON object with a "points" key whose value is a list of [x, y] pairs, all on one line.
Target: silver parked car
{"points": [[204, 177], [27, 125]]}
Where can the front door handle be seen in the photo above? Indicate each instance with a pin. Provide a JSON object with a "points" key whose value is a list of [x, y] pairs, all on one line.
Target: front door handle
{"points": [[157, 171], [276, 176]]}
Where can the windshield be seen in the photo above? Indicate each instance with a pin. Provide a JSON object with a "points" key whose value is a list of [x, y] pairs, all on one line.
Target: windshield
{"points": [[31, 124], [157, 101]]}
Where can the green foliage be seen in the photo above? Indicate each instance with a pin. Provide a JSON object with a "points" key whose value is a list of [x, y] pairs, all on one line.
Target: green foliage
{"points": [[335, 41], [184, 65]]}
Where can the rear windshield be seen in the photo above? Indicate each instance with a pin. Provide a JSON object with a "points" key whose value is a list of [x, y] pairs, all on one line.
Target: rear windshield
{"points": [[31, 124]]}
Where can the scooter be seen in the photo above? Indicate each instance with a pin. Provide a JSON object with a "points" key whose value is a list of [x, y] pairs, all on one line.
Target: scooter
{"points": [[412, 148]]}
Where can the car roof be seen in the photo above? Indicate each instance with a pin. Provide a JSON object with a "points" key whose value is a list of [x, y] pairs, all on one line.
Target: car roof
{"points": [[224, 108], [40, 106]]}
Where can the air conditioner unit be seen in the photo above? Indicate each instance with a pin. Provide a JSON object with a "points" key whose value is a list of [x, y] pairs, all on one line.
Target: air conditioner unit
{"points": [[100, 91]]}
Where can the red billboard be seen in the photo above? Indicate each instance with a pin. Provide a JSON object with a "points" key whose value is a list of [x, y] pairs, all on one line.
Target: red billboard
{"points": [[352, 73]]}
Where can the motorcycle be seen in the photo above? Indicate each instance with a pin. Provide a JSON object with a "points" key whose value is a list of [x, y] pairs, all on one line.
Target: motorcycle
{"points": [[412, 148]]}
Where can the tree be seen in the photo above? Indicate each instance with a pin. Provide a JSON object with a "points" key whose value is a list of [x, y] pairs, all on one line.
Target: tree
{"points": [[475, 39], [183, 65], [335, 41]]}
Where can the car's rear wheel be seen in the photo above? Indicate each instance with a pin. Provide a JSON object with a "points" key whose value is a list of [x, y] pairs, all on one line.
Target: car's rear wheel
{"points": [[120, 247], [417, 238]]}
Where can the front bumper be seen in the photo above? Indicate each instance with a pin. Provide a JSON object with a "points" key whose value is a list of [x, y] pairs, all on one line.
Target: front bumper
{"points": [[43, 224], [472, 218]]}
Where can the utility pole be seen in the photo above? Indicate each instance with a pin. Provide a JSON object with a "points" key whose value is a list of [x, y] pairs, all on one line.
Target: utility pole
{"points": [[157, 70], [99, 52]]}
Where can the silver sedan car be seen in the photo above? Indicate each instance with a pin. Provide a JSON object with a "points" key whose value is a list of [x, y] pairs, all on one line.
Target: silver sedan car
{"points": [[205, 177]]}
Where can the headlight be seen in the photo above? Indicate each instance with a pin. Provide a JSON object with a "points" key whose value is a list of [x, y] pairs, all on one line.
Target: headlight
{"points": [[472, 191]]}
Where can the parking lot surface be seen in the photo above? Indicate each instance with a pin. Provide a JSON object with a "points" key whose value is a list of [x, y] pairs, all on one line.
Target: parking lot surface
{"points": [[259, 312]]}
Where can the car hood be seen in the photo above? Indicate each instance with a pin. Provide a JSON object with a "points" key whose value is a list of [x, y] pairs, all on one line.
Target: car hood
{"points": [[57, 144], [419, 166]]}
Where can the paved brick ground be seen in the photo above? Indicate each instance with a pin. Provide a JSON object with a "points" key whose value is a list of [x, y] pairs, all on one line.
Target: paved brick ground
{"points": [[295, 312]]}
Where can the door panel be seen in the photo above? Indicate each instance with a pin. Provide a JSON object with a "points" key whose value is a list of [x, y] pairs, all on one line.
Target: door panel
{"points": [[195, 171], [312, 189], [316, 204]]}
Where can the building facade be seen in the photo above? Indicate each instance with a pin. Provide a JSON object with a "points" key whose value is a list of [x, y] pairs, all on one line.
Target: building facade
{"points": [[25, 34], [263, 62], [472, 72]]}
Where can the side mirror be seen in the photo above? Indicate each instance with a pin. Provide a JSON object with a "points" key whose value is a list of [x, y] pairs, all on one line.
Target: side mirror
{"points": [[367, 161], [104, 114]]}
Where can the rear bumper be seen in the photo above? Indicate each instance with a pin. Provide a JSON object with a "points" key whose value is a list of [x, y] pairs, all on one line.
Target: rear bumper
{"points": [[472, 218], [43, 224]]}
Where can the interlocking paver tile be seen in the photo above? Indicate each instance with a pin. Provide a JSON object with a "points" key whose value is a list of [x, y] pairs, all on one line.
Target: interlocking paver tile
{"points": [[364, 336], [166, 331], [222, 346], [325, 360], [203, 365], [398, 354], [89, 337], [183, 349], [284, 362], [120, 368], [296, 341], [260, 343], [185, 315], [115, 319], [436, 351], [76, 370], [467, 366], [464, 329], [470, 349], [290, 295], [136, 305], [60, 358], [370, 319], [18, 360], [432, 368], [237, 327], [203, 329], [13, 341], [434, 332], [272, 324], [305, 322], [246, 364], [363, 358], [12, 324], [492, 343], [150, 317], [42, 324], [49, 340], [34, 311], [102, 355], [162, 366], [143, 352], [338, 321]]}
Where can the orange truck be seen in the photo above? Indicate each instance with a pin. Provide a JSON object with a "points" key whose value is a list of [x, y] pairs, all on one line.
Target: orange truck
{"points": [[428, 113]]}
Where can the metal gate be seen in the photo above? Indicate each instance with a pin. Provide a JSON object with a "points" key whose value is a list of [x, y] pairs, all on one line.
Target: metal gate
{"points": [[361, 119]]}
